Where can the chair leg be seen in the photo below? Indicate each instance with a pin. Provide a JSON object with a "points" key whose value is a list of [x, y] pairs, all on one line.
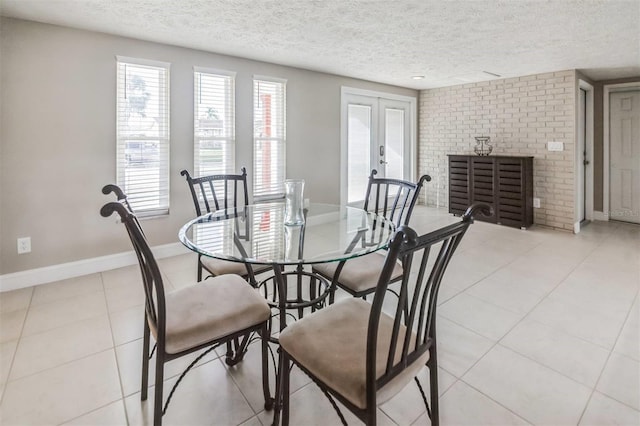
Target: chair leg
{"points": [[372, 416], [286, 365], [229, 355], [145, 360], [332, 293], [157, 406], [268, 401], [433, 385], [278, 395]]}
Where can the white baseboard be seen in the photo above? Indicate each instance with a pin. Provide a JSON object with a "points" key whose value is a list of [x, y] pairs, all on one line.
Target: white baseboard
{"points": [[64, 271], [600, 216]]}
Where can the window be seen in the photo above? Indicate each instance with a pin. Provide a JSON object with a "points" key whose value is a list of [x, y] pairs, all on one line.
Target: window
{"points": [[142, 133], [269, 109], [214, 122]]}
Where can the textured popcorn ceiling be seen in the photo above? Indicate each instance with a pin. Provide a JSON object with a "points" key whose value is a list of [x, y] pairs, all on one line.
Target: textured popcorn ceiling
{"points": [[449, 42]]}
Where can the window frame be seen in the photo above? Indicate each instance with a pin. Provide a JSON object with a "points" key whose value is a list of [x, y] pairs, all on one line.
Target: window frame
{"points": [[262, 195], [163, 139], [230, 118]]}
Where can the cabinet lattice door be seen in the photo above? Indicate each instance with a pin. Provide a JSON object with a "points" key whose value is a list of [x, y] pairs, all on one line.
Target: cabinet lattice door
{"points": [[503, 182]]}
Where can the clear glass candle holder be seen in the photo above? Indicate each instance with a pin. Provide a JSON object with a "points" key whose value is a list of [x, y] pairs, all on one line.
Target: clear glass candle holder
{"points": [[294, 201]]}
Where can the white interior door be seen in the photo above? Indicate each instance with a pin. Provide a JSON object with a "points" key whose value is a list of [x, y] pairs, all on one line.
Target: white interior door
{"points": [[376, 135], [624, 169]]}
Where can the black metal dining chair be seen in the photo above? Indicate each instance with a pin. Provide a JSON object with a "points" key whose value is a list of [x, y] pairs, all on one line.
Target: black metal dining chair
{"points": [[215, 192], [362, 356], [200, 316], [394, 199]]}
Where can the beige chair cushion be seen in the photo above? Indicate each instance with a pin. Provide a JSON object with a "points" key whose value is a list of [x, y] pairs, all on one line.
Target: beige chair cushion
{"points": [[209, 310], [222, 267], [360, 273], [332, 345]]}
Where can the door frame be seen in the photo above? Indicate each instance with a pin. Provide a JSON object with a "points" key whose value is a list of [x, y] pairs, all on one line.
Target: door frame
{"points": [[606, 161], [413, 102], [587, 185]]}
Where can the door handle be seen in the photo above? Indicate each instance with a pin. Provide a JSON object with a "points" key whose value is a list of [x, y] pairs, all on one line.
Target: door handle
{"points": [[382, 154], [585, 162]]}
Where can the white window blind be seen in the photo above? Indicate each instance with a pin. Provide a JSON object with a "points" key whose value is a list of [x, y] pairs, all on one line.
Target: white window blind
{"points": [[268, 241], [214, 122], [269, 124], [143, 134]]}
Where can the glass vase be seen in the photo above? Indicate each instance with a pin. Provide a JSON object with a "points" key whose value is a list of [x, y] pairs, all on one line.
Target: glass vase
{"points": [[294, 201]]}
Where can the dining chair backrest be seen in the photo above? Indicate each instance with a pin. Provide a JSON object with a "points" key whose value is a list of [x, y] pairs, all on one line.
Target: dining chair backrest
{"points": [[391, 198], [151, 277], [427, 256], [215, 192], [108, 189], [206, 315]]}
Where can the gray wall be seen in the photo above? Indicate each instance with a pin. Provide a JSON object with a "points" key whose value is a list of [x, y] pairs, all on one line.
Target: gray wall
{"points": [[57, 130]]}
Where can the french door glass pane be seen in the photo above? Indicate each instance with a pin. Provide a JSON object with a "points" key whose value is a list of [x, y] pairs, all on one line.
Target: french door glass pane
{"points": [[359, 143], [394, 143]]}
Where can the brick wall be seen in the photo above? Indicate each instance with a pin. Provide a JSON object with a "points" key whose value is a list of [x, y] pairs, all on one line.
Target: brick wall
{"points": [[520, 115]]}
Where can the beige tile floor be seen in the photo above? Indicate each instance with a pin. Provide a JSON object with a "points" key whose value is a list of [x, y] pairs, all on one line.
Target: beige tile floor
{"points": [[535, 327]]}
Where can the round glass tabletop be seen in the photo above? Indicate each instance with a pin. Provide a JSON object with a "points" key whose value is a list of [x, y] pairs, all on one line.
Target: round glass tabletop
{"points": [[258, 234]]}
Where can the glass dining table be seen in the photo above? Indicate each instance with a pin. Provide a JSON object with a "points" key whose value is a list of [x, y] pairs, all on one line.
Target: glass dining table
{"points": [[258, 235]]}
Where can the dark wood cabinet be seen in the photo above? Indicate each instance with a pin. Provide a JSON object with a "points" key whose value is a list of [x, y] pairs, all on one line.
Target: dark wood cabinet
{"points": [[505, 183]]}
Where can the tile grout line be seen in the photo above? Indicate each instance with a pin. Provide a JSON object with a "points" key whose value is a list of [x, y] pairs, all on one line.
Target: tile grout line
{"points": [[475, 332], [518, 323], [495, 401], [547, 294], [92, 316], [607, 362], [113, 348], [228, 373], [121, 399], [244, 397], [500, 268], [93, 411], [122, 392], [600, 243], [544, 366], [415, 421], [476, 362], [18, 340]]}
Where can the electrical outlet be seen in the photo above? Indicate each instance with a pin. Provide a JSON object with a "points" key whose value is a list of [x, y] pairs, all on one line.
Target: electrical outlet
{"points": [[24, 245], [536, 203], [555, 146]]}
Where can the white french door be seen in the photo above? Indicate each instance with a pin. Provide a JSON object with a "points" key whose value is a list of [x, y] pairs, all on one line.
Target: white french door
{"points": [[376, 134], [624, 165], [394, 149]]}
